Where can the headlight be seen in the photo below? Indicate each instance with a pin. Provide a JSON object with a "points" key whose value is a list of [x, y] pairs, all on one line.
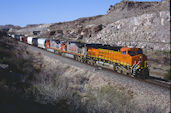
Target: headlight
{"points": [[138, 67]]}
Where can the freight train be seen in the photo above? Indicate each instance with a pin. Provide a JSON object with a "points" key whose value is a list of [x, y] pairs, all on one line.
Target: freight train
{"points": [[125, 60]]}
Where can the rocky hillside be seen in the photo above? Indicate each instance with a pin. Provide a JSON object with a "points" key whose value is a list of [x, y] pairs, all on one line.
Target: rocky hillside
{"points": [[128, 23], [149, 31], [28, 30], [9, 27], [142, 24]]}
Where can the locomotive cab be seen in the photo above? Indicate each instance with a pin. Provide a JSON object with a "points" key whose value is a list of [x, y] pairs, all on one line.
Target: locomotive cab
{"points": [[137, 61]]}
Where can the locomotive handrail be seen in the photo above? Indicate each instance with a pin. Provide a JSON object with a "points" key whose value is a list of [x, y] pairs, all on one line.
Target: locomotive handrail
{"points": [[133, 68], [137, 64]]}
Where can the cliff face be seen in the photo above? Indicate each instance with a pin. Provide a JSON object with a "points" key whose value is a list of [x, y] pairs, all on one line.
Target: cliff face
{"points": [[149, 31], [145, 24]]}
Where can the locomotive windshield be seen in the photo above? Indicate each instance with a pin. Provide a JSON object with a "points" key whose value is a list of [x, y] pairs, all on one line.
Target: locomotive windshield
{"points": [[140, 51], [133, 52]]}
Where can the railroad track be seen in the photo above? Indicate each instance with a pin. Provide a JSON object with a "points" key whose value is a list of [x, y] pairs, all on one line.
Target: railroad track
{"points": [[159, 82], [162, 83], [151, 80]]}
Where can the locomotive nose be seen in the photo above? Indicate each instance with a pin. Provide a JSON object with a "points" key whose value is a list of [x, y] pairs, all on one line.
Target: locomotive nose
{"points": [[143, 60]]}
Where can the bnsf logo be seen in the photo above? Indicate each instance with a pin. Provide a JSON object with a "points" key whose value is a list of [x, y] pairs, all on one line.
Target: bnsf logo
{"points": [[72, 48], [53, 44]]}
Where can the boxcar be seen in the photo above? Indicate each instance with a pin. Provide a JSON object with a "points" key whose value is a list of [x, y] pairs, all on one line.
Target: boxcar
{"points": [[20, 38], [29, 40], [17, 37]]}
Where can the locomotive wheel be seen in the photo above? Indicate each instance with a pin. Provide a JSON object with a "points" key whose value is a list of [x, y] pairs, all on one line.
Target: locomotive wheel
{"points": [[88, 61], [118, 70], [60, 53], [125, 72], [121, 71], [76, 58], [114, 69], [132, 75], [92, 63], [85, 61], [56, 52], [79, 59], [95, 63]]}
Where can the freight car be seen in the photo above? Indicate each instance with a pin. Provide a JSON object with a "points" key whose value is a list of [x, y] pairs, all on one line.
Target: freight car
{"points": [[29, 40], [24, 39], [18, 37]]}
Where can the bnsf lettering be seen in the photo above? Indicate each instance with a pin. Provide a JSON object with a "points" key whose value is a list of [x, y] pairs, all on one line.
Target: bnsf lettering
{"points": [[72, 48], [53, 44]]}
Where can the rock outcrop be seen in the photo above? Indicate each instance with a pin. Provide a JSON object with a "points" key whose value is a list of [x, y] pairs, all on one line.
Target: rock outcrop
{"points": [[149, 31]]}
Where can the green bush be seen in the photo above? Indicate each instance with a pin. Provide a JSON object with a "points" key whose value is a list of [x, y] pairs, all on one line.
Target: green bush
{"points": [[167, 76], [3, 33], [110, 100]]}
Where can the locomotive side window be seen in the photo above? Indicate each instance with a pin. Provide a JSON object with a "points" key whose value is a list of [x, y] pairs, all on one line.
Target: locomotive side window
{"points": [[140, 51], [123, 52]]}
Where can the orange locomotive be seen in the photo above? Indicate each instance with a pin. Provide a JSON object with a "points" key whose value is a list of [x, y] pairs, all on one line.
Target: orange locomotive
{"points": [[129, 61]]}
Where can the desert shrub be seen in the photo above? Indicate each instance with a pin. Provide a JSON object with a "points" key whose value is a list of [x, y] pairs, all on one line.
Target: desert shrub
{"points": [[167, 76], [150, 108], [15, 57], [109, 100], [17, 64], [2, 33]]}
